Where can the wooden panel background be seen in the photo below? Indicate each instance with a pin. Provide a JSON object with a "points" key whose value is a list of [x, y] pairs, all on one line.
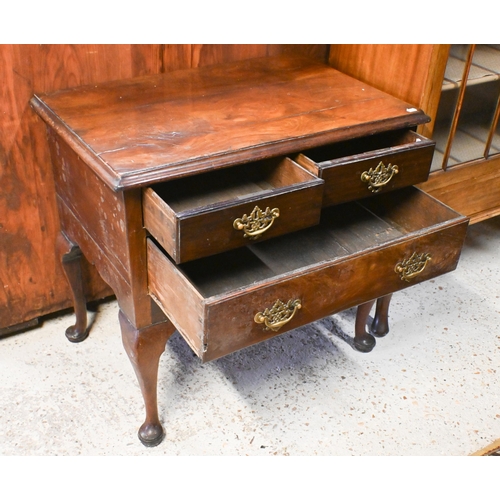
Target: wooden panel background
{"points": [[31, 280], [414, 73]]}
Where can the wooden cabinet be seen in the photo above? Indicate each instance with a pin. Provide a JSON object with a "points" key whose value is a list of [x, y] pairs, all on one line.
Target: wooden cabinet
{"points": [[466, 166], [458, 87], [207, 199], [31, 281]]}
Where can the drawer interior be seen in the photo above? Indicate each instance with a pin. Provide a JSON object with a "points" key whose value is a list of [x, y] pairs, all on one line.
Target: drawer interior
{"points": [[226, 185], [344, 230], [364, 145]]}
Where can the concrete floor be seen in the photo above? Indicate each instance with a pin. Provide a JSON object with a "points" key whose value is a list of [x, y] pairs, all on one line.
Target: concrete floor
{"points": [[430, 388]]}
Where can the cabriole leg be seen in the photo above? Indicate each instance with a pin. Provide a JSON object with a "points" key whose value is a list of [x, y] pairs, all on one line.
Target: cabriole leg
{"points": [[72, 259], [363, 341], [144, 348], [380, 324]]}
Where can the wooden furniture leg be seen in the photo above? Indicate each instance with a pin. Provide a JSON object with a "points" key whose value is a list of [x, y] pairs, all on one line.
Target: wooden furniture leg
{"points": [[363, 341], [71, 258], [144, 348], [380, 324]]}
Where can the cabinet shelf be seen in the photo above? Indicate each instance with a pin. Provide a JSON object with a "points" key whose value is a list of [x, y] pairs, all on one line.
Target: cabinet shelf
{"points": [[485, 66], [466, 122]]}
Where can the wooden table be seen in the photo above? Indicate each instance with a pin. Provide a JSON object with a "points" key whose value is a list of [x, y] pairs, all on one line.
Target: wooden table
{"points": [[237, 202]]}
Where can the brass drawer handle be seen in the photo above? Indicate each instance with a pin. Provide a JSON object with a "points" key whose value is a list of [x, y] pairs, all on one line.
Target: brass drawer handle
{"points": [[409, 268], [378, 177], [257, 223], [280, 314]]}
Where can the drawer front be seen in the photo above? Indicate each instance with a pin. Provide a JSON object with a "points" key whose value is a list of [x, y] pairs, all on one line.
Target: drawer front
{"points": [[246, 223], [240, 317], [249, 318], [216, 227], [368, 173]]}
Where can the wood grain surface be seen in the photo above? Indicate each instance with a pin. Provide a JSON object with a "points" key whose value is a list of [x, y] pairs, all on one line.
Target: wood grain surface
{"points": [[32, 283], [412, 72], [31, 279], [136, 132]]}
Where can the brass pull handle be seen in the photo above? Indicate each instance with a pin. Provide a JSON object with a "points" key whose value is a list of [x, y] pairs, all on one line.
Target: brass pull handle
{"points": [[378, 177], [257, 223], [409, 268], [280, 314]]}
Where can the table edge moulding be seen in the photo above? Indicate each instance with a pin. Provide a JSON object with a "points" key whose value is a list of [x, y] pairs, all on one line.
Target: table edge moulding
{"points": [[239, 201]]}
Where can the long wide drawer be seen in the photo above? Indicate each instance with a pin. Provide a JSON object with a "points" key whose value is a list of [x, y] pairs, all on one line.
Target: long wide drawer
{"points": [[363, 167], [218, 211], [359, 251]]}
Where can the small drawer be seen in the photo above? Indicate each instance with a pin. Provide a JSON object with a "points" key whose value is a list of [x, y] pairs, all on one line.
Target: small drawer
{"points": [[359, 252], [214, 212], [360, 168]]}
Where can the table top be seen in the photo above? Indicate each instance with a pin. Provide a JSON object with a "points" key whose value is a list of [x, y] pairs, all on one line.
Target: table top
{"points": [[144, 130]]}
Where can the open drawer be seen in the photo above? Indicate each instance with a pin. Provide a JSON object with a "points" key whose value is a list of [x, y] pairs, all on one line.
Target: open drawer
{"points": [[359, 168], [360, 251], [214, 212]]}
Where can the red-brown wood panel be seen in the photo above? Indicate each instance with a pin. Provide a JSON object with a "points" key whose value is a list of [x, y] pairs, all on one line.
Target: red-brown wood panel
{"points": [[196, 55], [31, 280], [411, 72]]}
